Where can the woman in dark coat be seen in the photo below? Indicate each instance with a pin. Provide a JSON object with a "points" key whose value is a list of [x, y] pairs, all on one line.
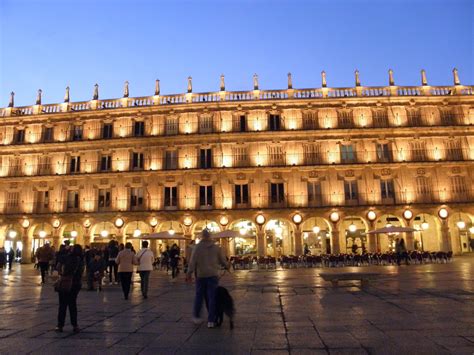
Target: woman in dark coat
{"points": [[71, 265], [174, 260]]}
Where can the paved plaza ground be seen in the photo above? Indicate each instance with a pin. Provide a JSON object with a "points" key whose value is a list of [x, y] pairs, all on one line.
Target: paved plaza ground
{"points": [[417, 309]]}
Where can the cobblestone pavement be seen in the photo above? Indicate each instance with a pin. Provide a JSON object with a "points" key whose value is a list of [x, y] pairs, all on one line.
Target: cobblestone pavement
{"points": [[422, 309]]}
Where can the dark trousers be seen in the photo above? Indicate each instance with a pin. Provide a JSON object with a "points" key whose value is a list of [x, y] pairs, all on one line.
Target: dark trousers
{"points": [[44, 265], [206, 288], [68, 300], [126, 281], [113, 267], [144, 279], [10, 262]]}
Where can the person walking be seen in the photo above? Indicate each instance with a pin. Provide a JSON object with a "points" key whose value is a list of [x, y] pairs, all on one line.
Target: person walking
{"points": [[11, 257], [144, 260], [125, 261], [3, 257], [174, 260], [206, 260], [113, 251], [401, 251], [44, 254], [70, 268]]}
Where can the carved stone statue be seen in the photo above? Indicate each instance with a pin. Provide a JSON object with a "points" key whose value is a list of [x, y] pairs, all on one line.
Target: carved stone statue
{"points": [[255, 82], [38, 97], [157, 87], [96, 92], [222, 83], [190, 84], [424, 82], [125, 89], [456, 77], [357, 78], [12, 100], [323, 79], [391, 82], [66, 95], [290, 81]]}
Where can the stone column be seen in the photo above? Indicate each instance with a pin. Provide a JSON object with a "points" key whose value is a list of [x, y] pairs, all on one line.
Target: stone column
{"points": [[372, 240], [26, 252], [410, 242], [298, 243], [153, 246], [55, 238], [87, 237], [261, 242], [335, 243], [445, 239]]}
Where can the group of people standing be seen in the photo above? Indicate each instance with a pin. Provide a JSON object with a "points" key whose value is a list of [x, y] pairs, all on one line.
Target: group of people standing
{"points": [[6, 258]]}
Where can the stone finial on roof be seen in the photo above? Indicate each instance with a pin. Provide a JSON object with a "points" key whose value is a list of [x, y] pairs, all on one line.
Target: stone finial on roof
{"points": [[323, 79], [357, 78], [38, 97], [290, 81], [391, 82], [424, 81], [190, 84], [222, 83], [255, 82], [66, 95], [456, 77], [157, 87], [11, 103], [125, 89], [95, 96]]}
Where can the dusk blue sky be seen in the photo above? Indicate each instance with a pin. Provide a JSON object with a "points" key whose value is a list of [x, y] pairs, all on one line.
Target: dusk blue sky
{"points": [[52, 44]]}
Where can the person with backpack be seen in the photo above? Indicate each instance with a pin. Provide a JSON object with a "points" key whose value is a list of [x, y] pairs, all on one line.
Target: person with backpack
{"points": [[144, 259]]}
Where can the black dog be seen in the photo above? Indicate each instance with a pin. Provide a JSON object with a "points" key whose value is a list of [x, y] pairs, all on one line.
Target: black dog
{"points": [[224, 304]]}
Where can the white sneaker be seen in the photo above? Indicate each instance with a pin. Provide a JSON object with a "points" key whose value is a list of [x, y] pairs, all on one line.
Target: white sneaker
{"points": [[197, 321], [210, 324]]}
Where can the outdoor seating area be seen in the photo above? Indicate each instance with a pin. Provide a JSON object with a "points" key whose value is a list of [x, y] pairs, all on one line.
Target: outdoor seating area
{"points": [[339, 260]]}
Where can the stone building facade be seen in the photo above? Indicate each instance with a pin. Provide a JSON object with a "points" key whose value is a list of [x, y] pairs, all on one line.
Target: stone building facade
{"points": [[287, 169]]}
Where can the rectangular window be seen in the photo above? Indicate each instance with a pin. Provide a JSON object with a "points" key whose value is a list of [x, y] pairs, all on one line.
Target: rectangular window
{"points": [[240, 124], [423, 188], [380, 118], [13, 199], [72, 200], [350, 190], [344, 119], [448, 117], [48, 134], [458, 186], [171, 126], [387, 189], [347, 154], [137, 161], [19, 136], [105, 198], [276, 156], [107, 131], [136, 197], [139, 129], [310, 120], [171, 160], [453, 150], [75, 165], [384, 155], [44, 165], [171, 196], [274, 122], [42, 201], [418, 151], [277, 193], [414, 118], [241, 194], [205, 196], [205, 124], [205, 158], [106, 163], [314, 193], [76, 133], [240, 156], [312, 154]]}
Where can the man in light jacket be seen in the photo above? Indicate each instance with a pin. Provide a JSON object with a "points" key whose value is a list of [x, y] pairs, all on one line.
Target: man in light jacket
{"points": [[206, 259], [144, 259], [125, 260]]}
